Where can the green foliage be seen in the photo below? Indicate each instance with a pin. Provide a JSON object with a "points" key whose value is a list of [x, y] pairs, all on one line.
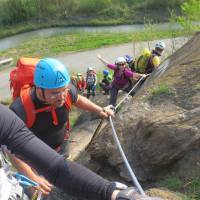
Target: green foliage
{"points": [[161, 90], [164, 3], [69, 7], [173, 183], [92, 7], [190, 189], [190, 17], [17, 11], [191, 10], [191, 13], [115, 11], [74, 114], [193, 189]]}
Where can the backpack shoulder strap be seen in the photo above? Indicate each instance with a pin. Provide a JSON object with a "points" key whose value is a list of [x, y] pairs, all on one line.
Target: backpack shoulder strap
{"points": [[138, 60], [150, 65], [68, 102], [68, 105], [28, 105]]}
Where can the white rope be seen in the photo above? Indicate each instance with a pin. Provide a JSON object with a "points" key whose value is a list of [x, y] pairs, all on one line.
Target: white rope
{"points": [[141, 79], [135, 181]]}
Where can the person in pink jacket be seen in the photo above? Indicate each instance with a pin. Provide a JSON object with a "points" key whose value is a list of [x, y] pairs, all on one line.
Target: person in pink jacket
{"points": [[122, 77]]}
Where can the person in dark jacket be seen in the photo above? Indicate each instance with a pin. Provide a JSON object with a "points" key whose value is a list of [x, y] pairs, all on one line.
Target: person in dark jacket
{"points": [[72, 178]]}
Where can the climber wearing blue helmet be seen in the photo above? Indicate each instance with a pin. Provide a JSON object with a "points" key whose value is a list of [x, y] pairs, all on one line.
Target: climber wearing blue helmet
{"points": [[51, 79], [105, 72], [49, 101], [105, 83]]}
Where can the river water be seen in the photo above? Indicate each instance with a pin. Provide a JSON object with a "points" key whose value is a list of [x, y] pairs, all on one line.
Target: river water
{"points": [[13, 41]]}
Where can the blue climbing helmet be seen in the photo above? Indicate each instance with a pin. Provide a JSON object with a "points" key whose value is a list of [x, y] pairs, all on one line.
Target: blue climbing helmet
{"points": [[105, 72], [50, 74], [128, 58]]}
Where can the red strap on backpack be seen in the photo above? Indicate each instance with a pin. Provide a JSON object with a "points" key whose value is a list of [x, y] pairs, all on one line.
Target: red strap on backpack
{"points": [[68, 105]]}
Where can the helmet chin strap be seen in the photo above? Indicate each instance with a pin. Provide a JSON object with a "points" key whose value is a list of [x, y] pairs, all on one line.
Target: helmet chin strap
{"points": [[41, 95]]}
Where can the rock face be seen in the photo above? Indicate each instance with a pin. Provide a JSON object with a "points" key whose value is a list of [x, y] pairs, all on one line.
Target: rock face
{"points": [[159, 129]]}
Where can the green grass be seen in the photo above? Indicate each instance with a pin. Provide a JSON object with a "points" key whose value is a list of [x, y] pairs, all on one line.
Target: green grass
{"points": [[74, 114], [173, 183], [188, 189], [62, 43], [161, 89], [193, 189]]}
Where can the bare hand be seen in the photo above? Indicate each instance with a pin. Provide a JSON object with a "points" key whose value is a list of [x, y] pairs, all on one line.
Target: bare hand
{"points": [[99, 56], [44, 186], [107, 111]]}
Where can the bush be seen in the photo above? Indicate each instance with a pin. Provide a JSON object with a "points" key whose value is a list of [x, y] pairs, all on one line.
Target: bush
{"points": [[91, 7], [115, 11], [191, 14], [17, 11]]}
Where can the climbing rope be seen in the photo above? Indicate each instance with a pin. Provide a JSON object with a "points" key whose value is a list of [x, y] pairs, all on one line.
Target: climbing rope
{"points": [[127, 95], [134, 178], [102, 120], [135, 181]]}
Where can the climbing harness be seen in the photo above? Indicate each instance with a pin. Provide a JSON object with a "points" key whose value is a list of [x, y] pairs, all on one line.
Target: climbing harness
{"points": [[135, 181], [26, 183], [12, 184]]}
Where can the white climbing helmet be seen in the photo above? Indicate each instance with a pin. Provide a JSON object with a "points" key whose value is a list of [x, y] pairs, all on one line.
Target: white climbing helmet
{"points": [[89, 69], [160, 45], [120, 60]]}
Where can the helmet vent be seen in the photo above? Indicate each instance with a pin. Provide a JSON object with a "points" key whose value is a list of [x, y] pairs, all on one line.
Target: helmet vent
{"points": [[60, 78]]}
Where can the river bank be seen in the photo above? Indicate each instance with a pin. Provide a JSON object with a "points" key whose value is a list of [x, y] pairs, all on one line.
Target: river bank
{"points": [[12, 41]]}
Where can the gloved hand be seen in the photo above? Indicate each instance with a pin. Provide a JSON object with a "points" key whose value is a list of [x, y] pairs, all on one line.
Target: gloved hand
{"points": [[132, 194], [120, 186]]}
